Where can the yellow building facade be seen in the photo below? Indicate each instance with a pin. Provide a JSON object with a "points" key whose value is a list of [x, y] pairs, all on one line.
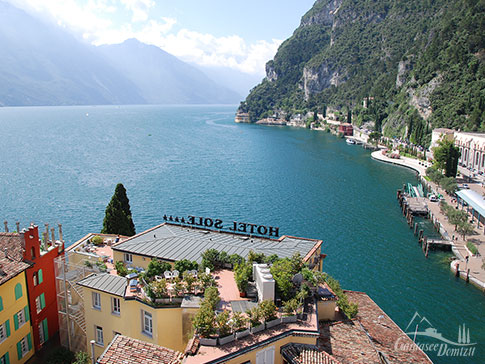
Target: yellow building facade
{"points": [[109, 314], [15, 328]]}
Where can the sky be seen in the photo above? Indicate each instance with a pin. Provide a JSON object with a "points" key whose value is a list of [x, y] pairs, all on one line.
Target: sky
{"points": [[242, 35]]}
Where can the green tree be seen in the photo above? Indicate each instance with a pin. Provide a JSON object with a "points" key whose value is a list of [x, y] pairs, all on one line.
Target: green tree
{"points": [[446, 157], [449, 185], [465, 228], [374, 137], [456, 217], [117, 219]]}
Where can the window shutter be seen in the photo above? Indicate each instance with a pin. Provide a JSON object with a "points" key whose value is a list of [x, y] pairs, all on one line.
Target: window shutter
{"points": [[16, 321], [19, 350], [7, 358], [42, 301], [41, 278], [46, 330], [18, 291], [26, 311], [1, 304], [7, 327], [29, 341]]}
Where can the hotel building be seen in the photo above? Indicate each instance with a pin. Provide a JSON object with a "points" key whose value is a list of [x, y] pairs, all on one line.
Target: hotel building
{"points": [[117, 317]]}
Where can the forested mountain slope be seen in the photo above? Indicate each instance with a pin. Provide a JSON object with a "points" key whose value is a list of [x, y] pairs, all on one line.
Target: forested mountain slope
{"points": [[419, 64]]}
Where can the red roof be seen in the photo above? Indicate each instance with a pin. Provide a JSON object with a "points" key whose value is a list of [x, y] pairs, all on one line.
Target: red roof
{"points": [[124, 349], [11, 256]]}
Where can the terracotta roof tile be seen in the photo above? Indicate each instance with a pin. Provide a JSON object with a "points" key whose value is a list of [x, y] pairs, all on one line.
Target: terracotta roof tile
{"points": [[363, 339], [11, 256], [124, 349], [306, 354]]}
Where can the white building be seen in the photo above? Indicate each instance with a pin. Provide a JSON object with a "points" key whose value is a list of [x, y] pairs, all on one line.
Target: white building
{"points": [[472, 148]]}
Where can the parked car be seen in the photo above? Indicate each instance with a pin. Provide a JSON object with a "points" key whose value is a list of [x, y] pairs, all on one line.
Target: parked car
{"points": [[465, 186], [433, 198]]}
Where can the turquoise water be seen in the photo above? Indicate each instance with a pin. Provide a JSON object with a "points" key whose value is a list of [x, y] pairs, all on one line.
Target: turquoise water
{"points": [[62, 164]]}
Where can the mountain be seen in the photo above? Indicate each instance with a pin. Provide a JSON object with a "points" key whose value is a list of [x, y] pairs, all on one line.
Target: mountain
{"points": [[419, 64], [238, 81], [40, 64], [163, 78]]}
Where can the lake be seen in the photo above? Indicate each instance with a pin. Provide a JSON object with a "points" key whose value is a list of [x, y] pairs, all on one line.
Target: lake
{"points": [[61, 165]]}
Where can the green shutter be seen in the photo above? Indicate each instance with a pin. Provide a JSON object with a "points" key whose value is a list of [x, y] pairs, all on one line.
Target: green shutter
{"points": [[1, 304], [40, 276], [19, 350], [7, 327], [7, 358], [29, 341], [42, 301], [26, 311], [46, 329], [18, 291], [16, 322]]}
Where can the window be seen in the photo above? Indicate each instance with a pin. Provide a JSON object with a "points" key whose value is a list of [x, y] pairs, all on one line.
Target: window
{"points": [[32, 252], [5, 359], [99, 335], [96, 301], [18, 291], [128, 258], [21, 317], [147, 323], [40, 303], [24, 346], [4, 330], [35, 279], [265, 356], [43, 331], [115, 306]]}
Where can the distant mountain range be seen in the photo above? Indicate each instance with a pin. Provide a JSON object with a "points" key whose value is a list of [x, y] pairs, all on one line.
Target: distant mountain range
{"points": [[42, 64]]}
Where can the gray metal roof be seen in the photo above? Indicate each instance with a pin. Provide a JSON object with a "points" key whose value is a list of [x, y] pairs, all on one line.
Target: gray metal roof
{"points": [[105, 282], [174, 242]]}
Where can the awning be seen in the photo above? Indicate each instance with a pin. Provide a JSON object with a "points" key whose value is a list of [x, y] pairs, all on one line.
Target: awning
{"points": [[473, 199]]}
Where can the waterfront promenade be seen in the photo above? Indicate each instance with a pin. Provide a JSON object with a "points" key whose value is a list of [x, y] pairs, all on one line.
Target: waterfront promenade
{"points": [[477, 273]]}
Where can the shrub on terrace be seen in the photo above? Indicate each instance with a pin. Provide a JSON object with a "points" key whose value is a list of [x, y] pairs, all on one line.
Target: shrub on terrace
{"points": [[121, 269], [185, 264]]}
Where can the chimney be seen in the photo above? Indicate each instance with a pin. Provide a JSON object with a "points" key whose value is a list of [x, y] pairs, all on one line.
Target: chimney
{"points": [[60, 232], [47, 231], [6, 226], [18, 226], [53, 233], [44, 242]]}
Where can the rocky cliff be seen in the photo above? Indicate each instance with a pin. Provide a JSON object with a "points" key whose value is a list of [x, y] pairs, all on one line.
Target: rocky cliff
{"points": [[408, 59]]}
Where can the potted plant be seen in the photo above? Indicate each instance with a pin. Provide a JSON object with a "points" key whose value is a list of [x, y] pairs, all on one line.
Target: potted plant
{"points": [[240, 325], [289, 308], [242, 273], [222, 322], [268, 311], [178, 291], [160, 291], [189, 280], [204, 324], [255, 323]]}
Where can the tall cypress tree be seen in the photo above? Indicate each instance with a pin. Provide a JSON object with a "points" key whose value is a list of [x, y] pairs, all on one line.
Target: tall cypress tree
{"points": [[117, 219]]}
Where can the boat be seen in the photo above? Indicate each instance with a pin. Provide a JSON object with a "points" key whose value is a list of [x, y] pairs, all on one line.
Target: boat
{"points": [[350, 141]]}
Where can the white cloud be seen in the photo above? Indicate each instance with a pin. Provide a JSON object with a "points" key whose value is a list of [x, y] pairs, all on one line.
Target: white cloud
{"points": [[140, 8], [94, 20]]}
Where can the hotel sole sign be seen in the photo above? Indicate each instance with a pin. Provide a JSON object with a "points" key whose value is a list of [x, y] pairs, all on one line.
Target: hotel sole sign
{"points": [[218, 224]]}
